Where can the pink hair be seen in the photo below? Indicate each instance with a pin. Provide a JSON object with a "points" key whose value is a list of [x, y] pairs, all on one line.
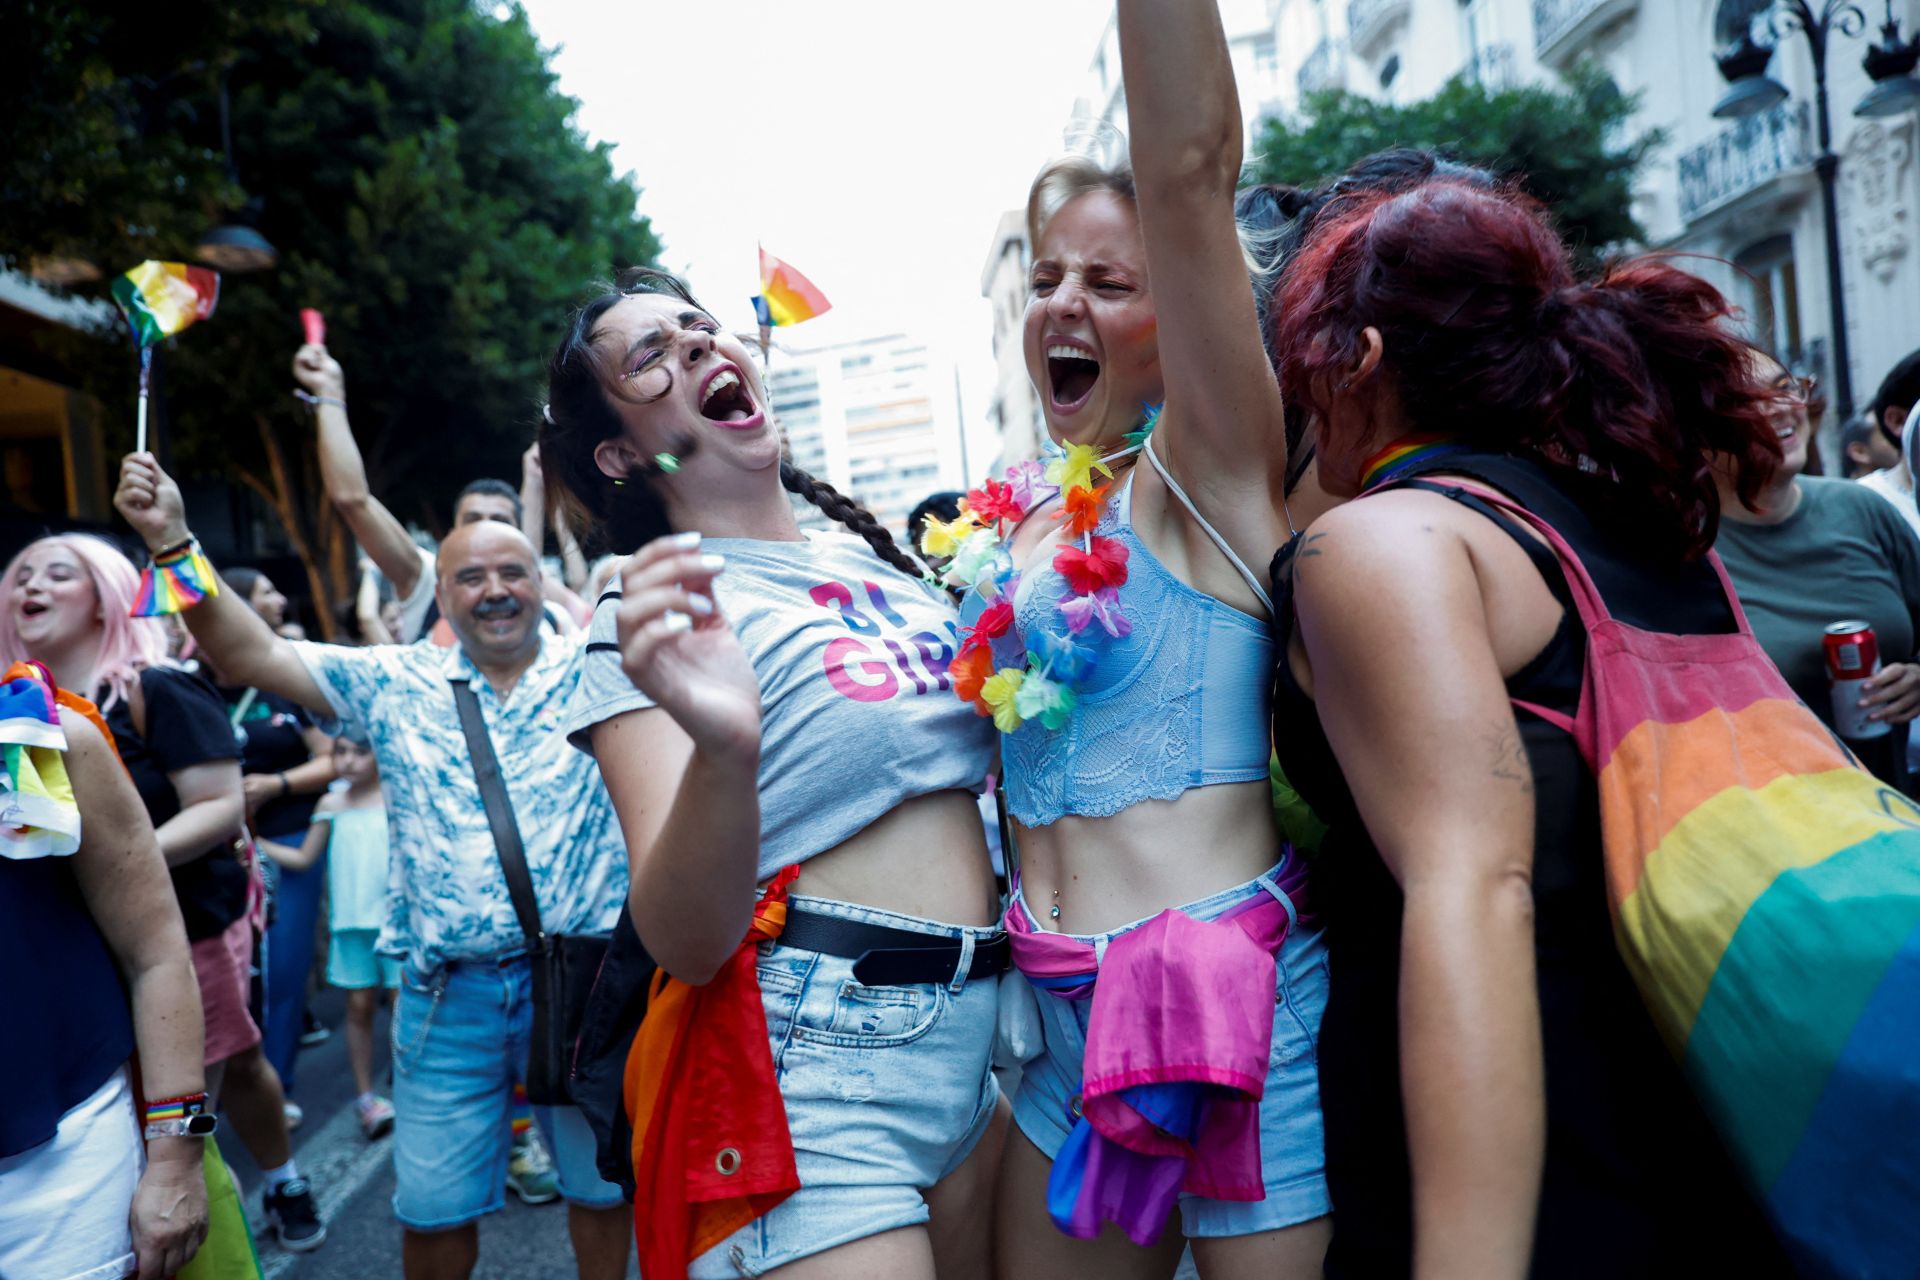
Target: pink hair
{"points": [[127, 644]]}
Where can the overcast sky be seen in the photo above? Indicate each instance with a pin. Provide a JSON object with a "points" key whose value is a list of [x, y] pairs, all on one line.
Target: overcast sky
{"points": [[873, 144]]}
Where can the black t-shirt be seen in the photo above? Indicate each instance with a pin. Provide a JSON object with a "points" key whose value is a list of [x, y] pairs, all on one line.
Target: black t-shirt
{"points": [[271, 735], [1636, 1183], [186, 725]]}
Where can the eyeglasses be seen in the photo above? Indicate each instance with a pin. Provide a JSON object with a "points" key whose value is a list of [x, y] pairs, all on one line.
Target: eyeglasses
{"points": [[1798, 389]]}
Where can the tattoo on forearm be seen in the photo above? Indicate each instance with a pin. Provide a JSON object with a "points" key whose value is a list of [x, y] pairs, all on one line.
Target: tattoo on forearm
{"points": [[1510, 763]]}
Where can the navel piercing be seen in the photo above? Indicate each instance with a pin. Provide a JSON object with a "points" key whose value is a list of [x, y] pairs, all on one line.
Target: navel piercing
{"points": [[1053, 912]]}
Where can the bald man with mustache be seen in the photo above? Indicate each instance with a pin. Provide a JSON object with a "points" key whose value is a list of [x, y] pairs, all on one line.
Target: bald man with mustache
{"points": [[463, 1016]]}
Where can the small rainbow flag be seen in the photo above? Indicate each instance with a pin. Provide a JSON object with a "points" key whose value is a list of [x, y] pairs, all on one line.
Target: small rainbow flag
{"points": [[175, 582], [162, 298], [786, 297]]}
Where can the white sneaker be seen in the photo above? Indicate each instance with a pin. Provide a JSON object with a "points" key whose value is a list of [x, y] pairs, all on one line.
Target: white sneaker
{"points": [[294, 1115]]}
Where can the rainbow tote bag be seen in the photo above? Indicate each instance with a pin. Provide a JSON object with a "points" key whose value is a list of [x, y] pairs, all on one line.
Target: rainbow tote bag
{"points": [[1766, 898]]}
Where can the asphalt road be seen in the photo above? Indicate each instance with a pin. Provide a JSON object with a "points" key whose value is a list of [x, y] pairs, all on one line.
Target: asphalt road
{"points": [[353, 1183]]}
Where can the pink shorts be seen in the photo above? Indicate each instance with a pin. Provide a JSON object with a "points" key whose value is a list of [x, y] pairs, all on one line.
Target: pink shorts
{"points": [[221, 964]]}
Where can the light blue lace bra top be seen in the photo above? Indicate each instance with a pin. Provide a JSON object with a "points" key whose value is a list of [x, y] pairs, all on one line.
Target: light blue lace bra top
{"points": [[1181, 702]]}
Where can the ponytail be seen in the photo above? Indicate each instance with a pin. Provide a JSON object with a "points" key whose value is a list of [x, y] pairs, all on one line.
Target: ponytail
{"points": [[1637, 380]]}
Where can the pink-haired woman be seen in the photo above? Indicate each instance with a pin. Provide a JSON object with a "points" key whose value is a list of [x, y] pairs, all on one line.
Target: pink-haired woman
{"points": [[67, 601]]}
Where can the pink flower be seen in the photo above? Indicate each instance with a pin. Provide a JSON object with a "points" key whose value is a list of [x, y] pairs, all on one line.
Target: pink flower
{"points": [[1028, 484], [1102, 606]]}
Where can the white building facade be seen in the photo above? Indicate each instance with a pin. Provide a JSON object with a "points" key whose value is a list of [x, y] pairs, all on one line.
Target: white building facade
{"points": [[878, 418], [1741, 197]]}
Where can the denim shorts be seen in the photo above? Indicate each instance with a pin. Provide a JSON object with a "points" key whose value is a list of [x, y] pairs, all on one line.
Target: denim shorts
{"points": [[1292, 1139], [460, 1037], [887, 1090]]}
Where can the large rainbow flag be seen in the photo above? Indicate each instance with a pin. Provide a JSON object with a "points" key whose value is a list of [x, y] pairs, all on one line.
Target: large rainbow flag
{"points": [[786, 297], [1766, 898]]}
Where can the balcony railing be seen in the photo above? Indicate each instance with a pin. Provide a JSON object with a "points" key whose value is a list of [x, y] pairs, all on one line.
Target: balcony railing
{"points": [[1325, 68], [1491, 67], [1560, 27], [1744, 158], [1368, 20]]}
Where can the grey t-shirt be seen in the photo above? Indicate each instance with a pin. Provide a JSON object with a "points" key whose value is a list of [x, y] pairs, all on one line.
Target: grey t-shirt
{"points": [[858, 712], [1844, 553]]}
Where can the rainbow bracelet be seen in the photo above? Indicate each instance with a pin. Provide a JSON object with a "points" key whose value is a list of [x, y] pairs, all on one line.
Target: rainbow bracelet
{"points": [[180, 1108], [176, 581]]}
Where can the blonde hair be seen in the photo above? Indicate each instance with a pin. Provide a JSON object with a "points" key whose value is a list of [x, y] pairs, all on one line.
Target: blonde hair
{"points": [[127, 644], [1068, 178]]}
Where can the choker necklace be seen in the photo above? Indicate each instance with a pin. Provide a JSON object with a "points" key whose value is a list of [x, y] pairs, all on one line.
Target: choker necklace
{"points": [[1403, 455], [1044, 678]]}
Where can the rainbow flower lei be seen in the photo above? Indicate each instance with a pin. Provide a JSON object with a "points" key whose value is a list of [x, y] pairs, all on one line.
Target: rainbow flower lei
{"points": [[1059, 658]]}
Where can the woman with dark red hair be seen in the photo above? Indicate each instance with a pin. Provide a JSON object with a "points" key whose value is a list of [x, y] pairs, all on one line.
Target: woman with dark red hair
{"points": [[1497, 1100]]}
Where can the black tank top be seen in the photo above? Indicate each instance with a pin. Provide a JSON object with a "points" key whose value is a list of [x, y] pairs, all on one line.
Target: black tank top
{"points": [[1635, 1183]]}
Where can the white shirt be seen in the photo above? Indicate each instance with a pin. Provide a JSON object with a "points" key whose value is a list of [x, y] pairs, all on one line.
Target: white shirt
{"points": [[1895, 484]]}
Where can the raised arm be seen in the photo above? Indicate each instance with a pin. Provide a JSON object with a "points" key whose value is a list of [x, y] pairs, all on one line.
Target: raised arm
{"points": [[1222, 430], [684, 774], [1429, 747], [124, 881], [344, 473], [234, 637]]}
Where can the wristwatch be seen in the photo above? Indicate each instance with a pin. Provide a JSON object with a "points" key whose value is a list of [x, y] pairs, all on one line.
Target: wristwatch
{"points": [[194, 1126]]}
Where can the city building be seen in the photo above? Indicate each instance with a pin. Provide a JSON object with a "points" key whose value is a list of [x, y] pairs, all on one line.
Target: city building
{"points": [[878, 418], [1015, 411], [1740, 197]]}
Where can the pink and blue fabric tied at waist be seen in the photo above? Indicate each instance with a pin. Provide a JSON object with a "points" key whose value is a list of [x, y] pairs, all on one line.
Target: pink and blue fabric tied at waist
{"points": [[1177, 1049]]}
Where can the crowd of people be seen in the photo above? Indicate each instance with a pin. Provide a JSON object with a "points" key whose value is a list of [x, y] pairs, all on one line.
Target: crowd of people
{"points": [[1291, 947]]}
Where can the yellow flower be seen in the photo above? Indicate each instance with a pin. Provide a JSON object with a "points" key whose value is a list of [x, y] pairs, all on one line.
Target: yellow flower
{"points": [[1075, 471], [942, 538], [999, 692]]}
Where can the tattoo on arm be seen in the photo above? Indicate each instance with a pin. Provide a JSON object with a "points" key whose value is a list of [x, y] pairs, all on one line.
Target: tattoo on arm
{"points": [[1510, 762], [1307, 547]]}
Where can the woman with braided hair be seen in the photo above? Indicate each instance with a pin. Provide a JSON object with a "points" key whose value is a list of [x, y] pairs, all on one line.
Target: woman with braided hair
{"points": [[772, 715]]}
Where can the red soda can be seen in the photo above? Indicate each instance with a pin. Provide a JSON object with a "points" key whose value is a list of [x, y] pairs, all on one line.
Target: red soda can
{"points": [[1853, 658]]}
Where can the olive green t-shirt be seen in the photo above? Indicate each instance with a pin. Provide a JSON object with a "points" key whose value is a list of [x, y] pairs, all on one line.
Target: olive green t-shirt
{"points": [[1844, 553]]}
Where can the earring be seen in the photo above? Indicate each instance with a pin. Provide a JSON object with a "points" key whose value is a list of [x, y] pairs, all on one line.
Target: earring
{"points": [[619, 484], [667, 463]]}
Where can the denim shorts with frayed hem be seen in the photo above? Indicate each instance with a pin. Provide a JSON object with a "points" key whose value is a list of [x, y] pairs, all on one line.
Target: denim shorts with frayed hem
{"points": [[460, 1036], [887, 1090], [1292, 1139]]}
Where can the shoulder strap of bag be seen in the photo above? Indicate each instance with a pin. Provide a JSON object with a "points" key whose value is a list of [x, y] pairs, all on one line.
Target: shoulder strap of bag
{"points": [[506, 831]]}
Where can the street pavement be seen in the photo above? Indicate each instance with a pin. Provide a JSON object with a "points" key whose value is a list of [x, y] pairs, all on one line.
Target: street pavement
{"points": [[353, 1183]]}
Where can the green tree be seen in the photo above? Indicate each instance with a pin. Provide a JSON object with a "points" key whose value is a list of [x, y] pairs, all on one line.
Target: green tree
{"points": [[427, 190], [1565, 145]]}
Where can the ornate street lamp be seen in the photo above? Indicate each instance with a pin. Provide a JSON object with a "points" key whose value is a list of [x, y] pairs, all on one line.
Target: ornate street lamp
{"points": [[1750, 90]]}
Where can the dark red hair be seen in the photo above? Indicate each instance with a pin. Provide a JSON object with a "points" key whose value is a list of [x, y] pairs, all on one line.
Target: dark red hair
{"points": [[1636, 378]]}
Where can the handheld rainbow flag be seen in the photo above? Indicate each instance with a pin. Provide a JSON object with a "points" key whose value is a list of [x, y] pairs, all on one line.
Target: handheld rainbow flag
{"points": [[178, 579], [160, 299], [786, 297]]}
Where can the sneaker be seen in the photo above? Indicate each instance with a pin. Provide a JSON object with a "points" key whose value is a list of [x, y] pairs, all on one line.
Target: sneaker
{"points": [[530, 1173], [376, 1116], [294, 1115], [314, 1032], [290, 1212]]}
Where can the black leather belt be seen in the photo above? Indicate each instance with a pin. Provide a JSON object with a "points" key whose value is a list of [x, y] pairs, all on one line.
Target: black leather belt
{"points": [[886, 957]]}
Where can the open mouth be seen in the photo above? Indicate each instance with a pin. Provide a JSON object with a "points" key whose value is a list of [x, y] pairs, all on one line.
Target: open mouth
{"points": [[1071, 374], [724, 399], [32, 609]]}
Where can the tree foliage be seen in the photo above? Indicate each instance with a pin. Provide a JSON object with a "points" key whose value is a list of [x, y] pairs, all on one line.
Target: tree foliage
{"points": [[422, 180], [1565, 145]]}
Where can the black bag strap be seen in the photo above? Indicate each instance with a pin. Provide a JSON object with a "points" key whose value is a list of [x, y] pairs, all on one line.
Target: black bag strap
{"points": [[506, 831]]}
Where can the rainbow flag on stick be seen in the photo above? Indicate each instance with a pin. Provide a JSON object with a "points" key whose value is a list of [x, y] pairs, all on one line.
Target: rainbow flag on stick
{"points": [[785, 297], [160, 299]]}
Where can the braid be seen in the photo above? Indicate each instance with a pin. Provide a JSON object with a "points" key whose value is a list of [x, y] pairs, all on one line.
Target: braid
{"points": [[838, 506]]}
